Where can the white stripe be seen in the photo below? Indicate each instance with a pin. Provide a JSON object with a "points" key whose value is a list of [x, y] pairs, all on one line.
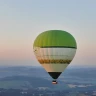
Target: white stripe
{"points": [[54, 67], [55, 53]]}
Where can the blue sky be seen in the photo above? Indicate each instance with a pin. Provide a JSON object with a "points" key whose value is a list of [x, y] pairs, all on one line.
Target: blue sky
{"points": [[22, 20]]}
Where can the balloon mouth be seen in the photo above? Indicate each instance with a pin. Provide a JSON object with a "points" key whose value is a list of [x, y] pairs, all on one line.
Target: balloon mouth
{"points": [[54, 82]]}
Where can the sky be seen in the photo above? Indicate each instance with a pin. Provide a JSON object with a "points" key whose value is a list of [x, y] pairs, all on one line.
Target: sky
{"points": [[21, 21]]}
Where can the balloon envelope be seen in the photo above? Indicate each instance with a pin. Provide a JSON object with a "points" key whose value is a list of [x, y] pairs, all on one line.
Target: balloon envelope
{"points": [[54, 49]]}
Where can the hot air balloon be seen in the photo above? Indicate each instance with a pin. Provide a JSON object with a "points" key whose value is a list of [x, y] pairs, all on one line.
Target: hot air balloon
{"points": [[54, 49]]}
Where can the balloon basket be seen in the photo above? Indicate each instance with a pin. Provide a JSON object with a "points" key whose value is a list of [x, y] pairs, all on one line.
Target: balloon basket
{"points": [[54, 82]]}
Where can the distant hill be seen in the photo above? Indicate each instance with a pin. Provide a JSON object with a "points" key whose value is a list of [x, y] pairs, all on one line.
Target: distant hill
{"points": [[24, 71], [40, 72]]}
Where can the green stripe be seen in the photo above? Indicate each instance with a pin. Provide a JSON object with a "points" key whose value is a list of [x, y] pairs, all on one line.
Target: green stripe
{"points": [[57, 47], [56, 63], [55, 38]]}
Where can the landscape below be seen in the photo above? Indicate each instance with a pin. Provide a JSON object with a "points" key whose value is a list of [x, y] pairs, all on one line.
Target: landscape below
{"points": [[74, 79]]}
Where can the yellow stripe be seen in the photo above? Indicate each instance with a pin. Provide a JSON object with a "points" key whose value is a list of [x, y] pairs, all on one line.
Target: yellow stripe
{"points": [[60, 61]]}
